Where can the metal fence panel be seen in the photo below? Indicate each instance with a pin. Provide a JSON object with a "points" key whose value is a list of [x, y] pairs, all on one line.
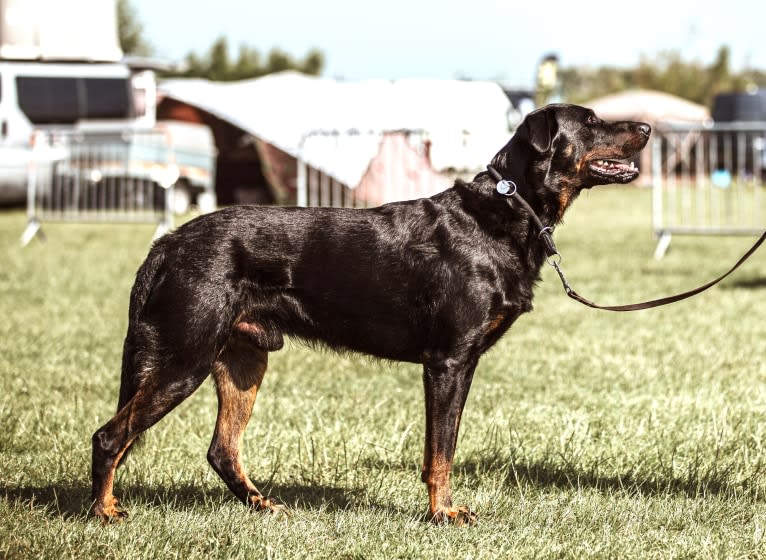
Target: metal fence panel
{"points": [[111, 176], [708, 180]]}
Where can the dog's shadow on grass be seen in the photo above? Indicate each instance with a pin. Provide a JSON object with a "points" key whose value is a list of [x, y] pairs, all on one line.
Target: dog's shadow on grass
{"points": [[65, 500], [546, 476], [72, 500], [747, 283]]}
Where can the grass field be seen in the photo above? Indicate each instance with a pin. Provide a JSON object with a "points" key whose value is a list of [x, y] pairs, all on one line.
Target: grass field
{"points": [[586, 434]]}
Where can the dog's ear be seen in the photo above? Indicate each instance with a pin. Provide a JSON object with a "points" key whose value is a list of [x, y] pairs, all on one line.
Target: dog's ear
{"points": [[534, 136], [541, 128]]}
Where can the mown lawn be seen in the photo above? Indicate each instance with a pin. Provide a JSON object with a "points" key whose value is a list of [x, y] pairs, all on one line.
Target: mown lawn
{"points": [[586, 434]]}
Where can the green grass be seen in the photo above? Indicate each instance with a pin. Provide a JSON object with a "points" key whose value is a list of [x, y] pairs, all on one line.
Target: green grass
{"points": [[586, 434]]}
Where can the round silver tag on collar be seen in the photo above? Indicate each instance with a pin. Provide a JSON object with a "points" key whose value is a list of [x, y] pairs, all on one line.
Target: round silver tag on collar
{"points": [[506, 187]]}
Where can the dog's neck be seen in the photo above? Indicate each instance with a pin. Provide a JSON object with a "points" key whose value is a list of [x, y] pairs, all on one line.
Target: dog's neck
{"points": [[547, 203]]}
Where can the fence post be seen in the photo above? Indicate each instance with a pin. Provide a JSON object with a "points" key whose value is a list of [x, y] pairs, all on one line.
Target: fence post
{"points": [[33, 227], [664, 237]]}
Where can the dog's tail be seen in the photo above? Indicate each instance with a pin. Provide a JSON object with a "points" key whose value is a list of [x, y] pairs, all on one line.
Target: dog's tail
{"points": [[146, 279]]}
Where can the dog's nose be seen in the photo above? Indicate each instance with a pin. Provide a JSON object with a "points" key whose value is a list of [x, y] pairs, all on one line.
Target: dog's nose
{"points": [[645, 129]]}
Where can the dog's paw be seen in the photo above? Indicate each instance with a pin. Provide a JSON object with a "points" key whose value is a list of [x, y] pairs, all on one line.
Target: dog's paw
{"points": [[107, 512], [268, 505], [460, 516]]}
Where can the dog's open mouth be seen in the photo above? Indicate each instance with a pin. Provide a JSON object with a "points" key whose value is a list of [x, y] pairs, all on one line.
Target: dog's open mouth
{"points": [[615, 171]]}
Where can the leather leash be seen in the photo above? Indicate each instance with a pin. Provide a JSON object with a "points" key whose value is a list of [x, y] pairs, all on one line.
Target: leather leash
{"points": [[509, 189]]}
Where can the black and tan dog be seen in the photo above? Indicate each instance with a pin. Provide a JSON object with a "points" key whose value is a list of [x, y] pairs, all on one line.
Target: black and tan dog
{"points": [[435, 281]]}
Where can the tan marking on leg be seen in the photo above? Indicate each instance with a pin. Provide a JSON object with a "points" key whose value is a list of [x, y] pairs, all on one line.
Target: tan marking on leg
{"points": [[153, 400], [438, 482], [440, 496], [445, 394], [105, 505], [238, 375], [237, 385]]}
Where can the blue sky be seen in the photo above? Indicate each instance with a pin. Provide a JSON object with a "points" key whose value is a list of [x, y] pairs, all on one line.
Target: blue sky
{"points": [[479, 39]]}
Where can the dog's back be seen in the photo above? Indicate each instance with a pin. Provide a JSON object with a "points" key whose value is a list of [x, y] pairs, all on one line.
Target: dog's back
{"points": [[366, 280]]}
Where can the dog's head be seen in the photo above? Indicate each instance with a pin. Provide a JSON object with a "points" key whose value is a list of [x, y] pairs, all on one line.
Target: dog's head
{"points": [[561, 149]]}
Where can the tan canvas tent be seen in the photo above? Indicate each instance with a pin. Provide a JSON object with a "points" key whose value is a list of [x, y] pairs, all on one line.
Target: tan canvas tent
{"points": [[648, 106]]}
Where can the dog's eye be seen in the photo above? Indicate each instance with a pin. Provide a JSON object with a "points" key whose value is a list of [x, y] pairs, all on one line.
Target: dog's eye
{"points": [[592, 119]]}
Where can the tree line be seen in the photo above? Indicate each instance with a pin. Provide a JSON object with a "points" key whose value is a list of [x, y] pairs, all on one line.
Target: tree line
{"points": [[668, 71], [217, 63]]}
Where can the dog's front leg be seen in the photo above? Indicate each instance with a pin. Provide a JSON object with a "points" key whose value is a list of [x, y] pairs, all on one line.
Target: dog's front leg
{"points": [[446, 387]]}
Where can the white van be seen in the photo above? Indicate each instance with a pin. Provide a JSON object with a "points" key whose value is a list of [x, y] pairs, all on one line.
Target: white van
{"points": [[54, 95]]}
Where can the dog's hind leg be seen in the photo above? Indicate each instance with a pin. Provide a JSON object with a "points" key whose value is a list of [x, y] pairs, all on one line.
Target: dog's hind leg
{"points": [[157, 394], [446, 386], [238, 374]]}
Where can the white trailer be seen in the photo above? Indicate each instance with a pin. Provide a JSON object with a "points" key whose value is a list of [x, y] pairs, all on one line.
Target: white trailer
{"points": [[59, 30]]}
